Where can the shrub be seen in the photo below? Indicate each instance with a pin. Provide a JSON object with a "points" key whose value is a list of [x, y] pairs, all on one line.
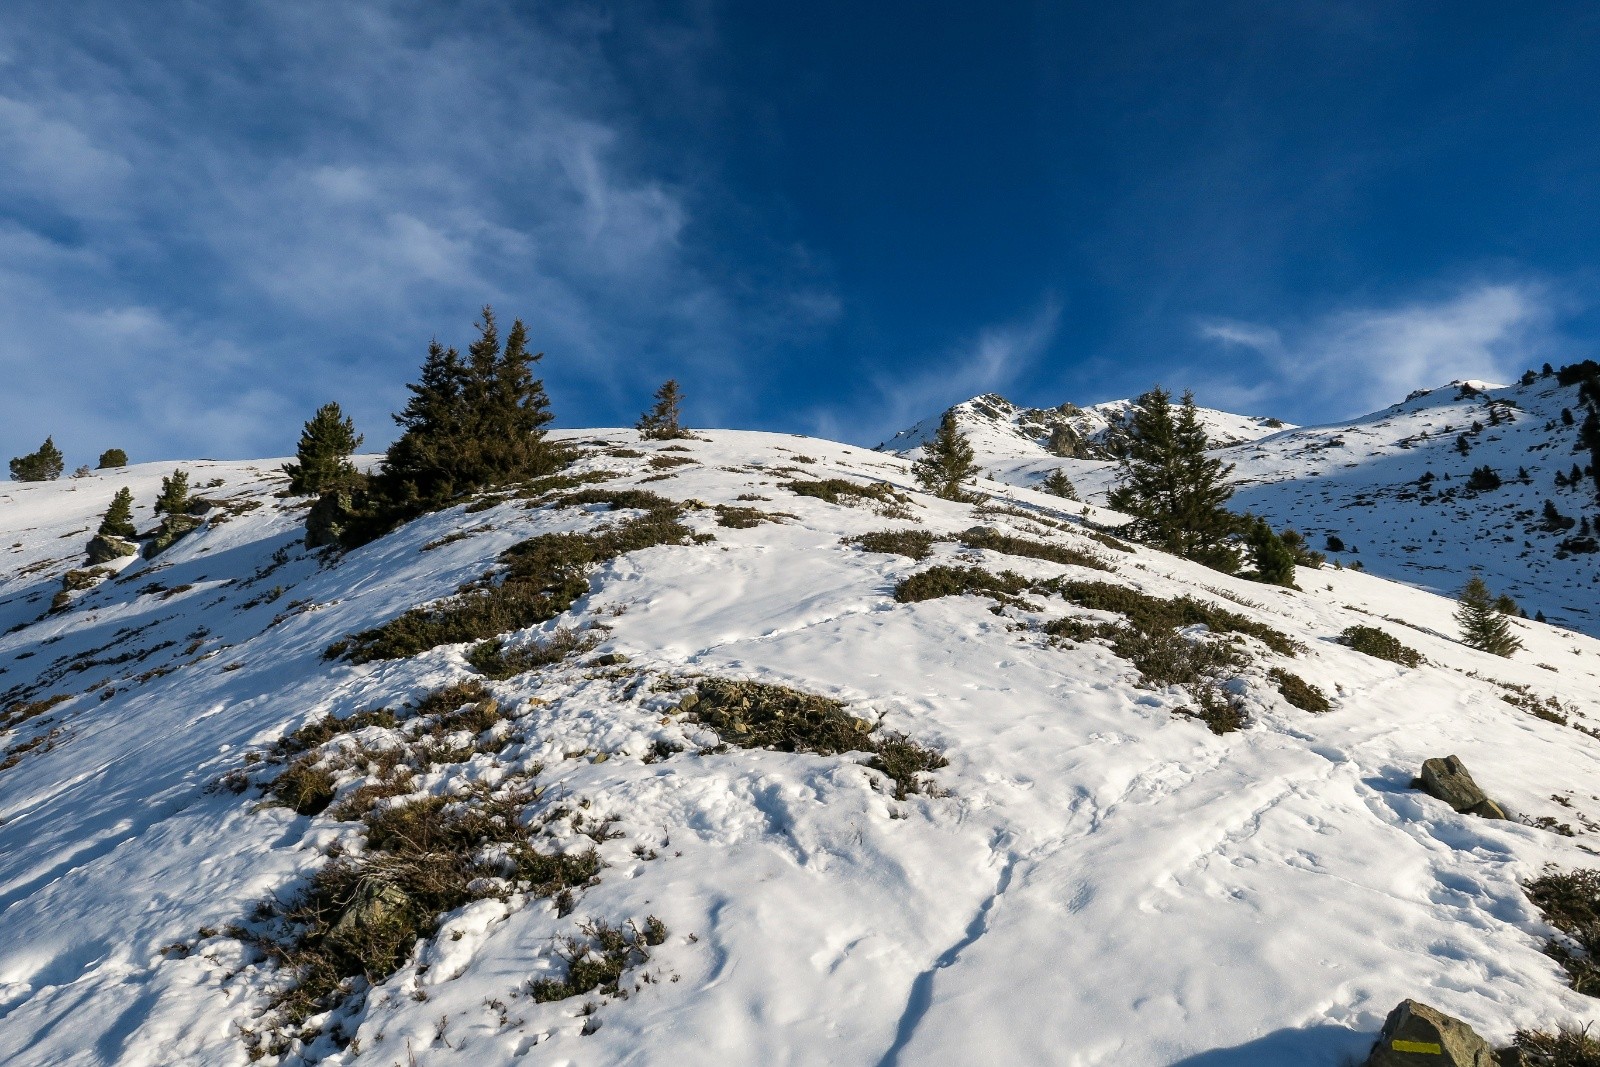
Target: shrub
{"points": [[1335, 543], [914, 544], [1380, 645], [306, 787], [1299, 692], [360, 916], [493, 660], [1566, 1048], [543, 577], [942, 581], [1148, 613], [1570, 901], [843, 491], [738, 518], [43, 465], [599, 958], [113, 457], [763, 715], [1021, 546]]}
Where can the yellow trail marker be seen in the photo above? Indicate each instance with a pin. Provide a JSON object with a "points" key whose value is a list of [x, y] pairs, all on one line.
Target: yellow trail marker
{"points": [[1416, 1046]]}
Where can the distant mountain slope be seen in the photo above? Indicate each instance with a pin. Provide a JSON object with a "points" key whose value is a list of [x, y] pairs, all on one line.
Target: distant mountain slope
{"points": [[1360, 481], [1000, 428], [1087, 874]]}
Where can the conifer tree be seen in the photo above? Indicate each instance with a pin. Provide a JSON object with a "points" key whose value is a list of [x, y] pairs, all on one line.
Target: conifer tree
{"points": [[1058, 484], [1172, 487], [1273, 558], [45, 465], [471, 424], [1304, 554], [113, 457], [1482, 626], [660, 423], [174, 498], [947, 462], [327, 442], [118, 519]]}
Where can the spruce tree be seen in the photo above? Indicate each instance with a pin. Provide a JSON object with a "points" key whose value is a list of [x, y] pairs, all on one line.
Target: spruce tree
{"points": [[947, 462], [113, 457], [1482, 626], [1304, 554], [471, 424], [1172, 487], [118, 520], [1274, 560], [327, 442], [174, 498], [1058, 484], [660, 423], [45, 465]]}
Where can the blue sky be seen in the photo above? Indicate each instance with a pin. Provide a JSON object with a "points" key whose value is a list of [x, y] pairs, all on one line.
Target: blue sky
{"points": [[827, 218]]}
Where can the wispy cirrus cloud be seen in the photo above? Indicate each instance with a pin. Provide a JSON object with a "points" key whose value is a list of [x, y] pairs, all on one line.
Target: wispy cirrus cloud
{"points": [[1361, 359], [991, 360], [216, 216]]}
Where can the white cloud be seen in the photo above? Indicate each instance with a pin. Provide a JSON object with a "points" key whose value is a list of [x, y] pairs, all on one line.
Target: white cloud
{"points": [[238, 211], [989, 362], [1363, 359]]}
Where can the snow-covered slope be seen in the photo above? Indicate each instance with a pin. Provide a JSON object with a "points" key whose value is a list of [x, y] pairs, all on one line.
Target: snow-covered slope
{"points": [[1360, 482], [1001, 431], [1095, 879]]}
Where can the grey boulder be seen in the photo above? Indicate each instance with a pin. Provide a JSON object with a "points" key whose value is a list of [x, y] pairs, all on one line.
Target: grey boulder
{"points": [[1450, 781], [1415, 1035]]}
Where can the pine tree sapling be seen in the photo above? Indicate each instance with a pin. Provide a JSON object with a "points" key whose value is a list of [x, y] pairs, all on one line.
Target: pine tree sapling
{"points": [[174, 498], [323, 457], [118, 520], [1304, 554], [113, 457], [45, 465], [660, 423], [1482, 625], [1274, 560], [1056, 483], [947, 461]]}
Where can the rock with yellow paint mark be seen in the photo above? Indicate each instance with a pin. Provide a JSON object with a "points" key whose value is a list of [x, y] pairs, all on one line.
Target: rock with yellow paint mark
{"points": [[1415, 1035]]}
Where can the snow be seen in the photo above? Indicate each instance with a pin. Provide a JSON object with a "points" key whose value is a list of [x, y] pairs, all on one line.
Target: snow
{"points": [[1100, 881], [1358, 480]]}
